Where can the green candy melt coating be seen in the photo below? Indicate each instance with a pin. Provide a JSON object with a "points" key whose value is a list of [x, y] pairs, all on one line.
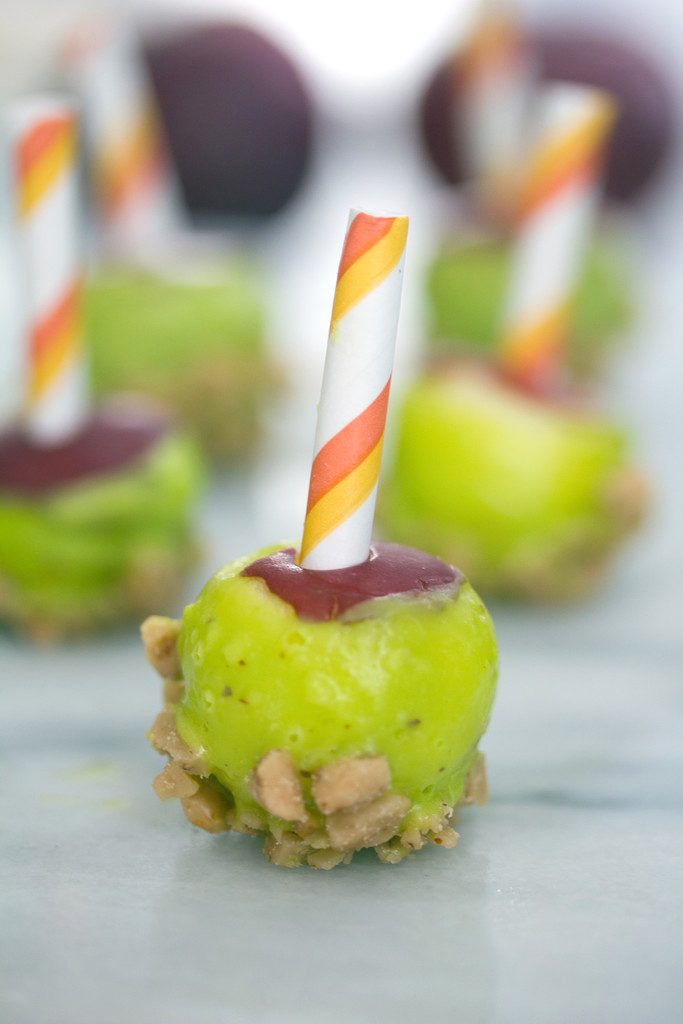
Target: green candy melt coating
{"points": [[517, 490], [467, 285], [415, 682], [198, 346], [85, 555]]}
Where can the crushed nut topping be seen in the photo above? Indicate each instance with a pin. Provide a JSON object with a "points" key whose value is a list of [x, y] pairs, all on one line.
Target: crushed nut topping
{"points": [[173, 781], [626, 495], [287, 851], [160, 636], [368, 825], [276, 786], [447, 838], [173, 691], [476, 783], [209, 808], [350, 782], [325, 859], [164, 738]]}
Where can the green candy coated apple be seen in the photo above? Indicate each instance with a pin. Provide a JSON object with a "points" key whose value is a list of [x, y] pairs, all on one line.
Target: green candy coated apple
{"points": [[102, 551], [466, 287], [327, 736], [530, 499], [196, 345]]}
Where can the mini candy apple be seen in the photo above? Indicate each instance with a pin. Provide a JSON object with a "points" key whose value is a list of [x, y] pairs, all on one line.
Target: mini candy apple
{"points": [[530, 495], [332, 699]]}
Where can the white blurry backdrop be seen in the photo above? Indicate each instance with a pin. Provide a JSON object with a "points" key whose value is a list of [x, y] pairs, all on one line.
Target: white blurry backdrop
{"points": [[366, 64]]}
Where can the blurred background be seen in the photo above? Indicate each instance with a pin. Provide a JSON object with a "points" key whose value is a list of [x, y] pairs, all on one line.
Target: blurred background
{"points": [[363, 70]]}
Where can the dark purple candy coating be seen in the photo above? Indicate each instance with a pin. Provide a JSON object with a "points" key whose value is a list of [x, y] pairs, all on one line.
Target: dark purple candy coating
{"points": [[391, 571], [644, 129], [237, 115], [110, 440]]}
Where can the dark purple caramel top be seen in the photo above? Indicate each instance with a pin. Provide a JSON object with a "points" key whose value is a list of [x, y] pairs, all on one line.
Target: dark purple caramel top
{"points": [[390, 571], [109, 440]]}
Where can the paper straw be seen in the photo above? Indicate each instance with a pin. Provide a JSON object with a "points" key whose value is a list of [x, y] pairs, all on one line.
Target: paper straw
{"points": [[558, 199], [493, 78], [43, 140], [134, 186], [355, 393]]}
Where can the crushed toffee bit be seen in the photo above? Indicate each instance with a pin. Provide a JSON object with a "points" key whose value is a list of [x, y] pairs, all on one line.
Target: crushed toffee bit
{"points": [[325, 859], [350, 782], [172, 691], [447, 838], [209, 808], [369, 825], [286, 852], [276, 786], [174, 781], [160, 637], [164, 737], [476, 783]]}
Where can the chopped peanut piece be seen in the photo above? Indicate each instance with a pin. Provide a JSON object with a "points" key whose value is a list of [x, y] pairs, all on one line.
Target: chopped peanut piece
{"points": [[627, 495], [252, 820], [164, 738], [325, 859], [412, 840], [350, 782], [286, 852], [209, 808], [172, 691], [160, 637], [174, 782], [368, 825], [276, 786], [392, 852], [476, 783], [447, 838]]}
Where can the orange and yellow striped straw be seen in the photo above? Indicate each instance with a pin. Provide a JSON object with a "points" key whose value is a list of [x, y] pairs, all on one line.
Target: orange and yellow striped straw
{"points": [[135, 190], [355, 393], [493, 81], [43, 140], [558, 198]]}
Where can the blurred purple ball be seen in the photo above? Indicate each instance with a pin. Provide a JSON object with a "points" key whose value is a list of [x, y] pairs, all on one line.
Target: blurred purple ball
{"points": [[237, 115], [643, 133]]}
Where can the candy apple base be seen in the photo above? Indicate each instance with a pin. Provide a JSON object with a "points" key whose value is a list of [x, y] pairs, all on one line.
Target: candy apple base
{"points": [[197, 346], [101, 549], [530, 497], [324, 736], [468, 280]]}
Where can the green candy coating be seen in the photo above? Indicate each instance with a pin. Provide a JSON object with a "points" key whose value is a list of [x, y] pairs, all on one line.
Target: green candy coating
{"points": [[414, 682], [108, 549], [523, 494], [466, 289], [197, 346]]}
